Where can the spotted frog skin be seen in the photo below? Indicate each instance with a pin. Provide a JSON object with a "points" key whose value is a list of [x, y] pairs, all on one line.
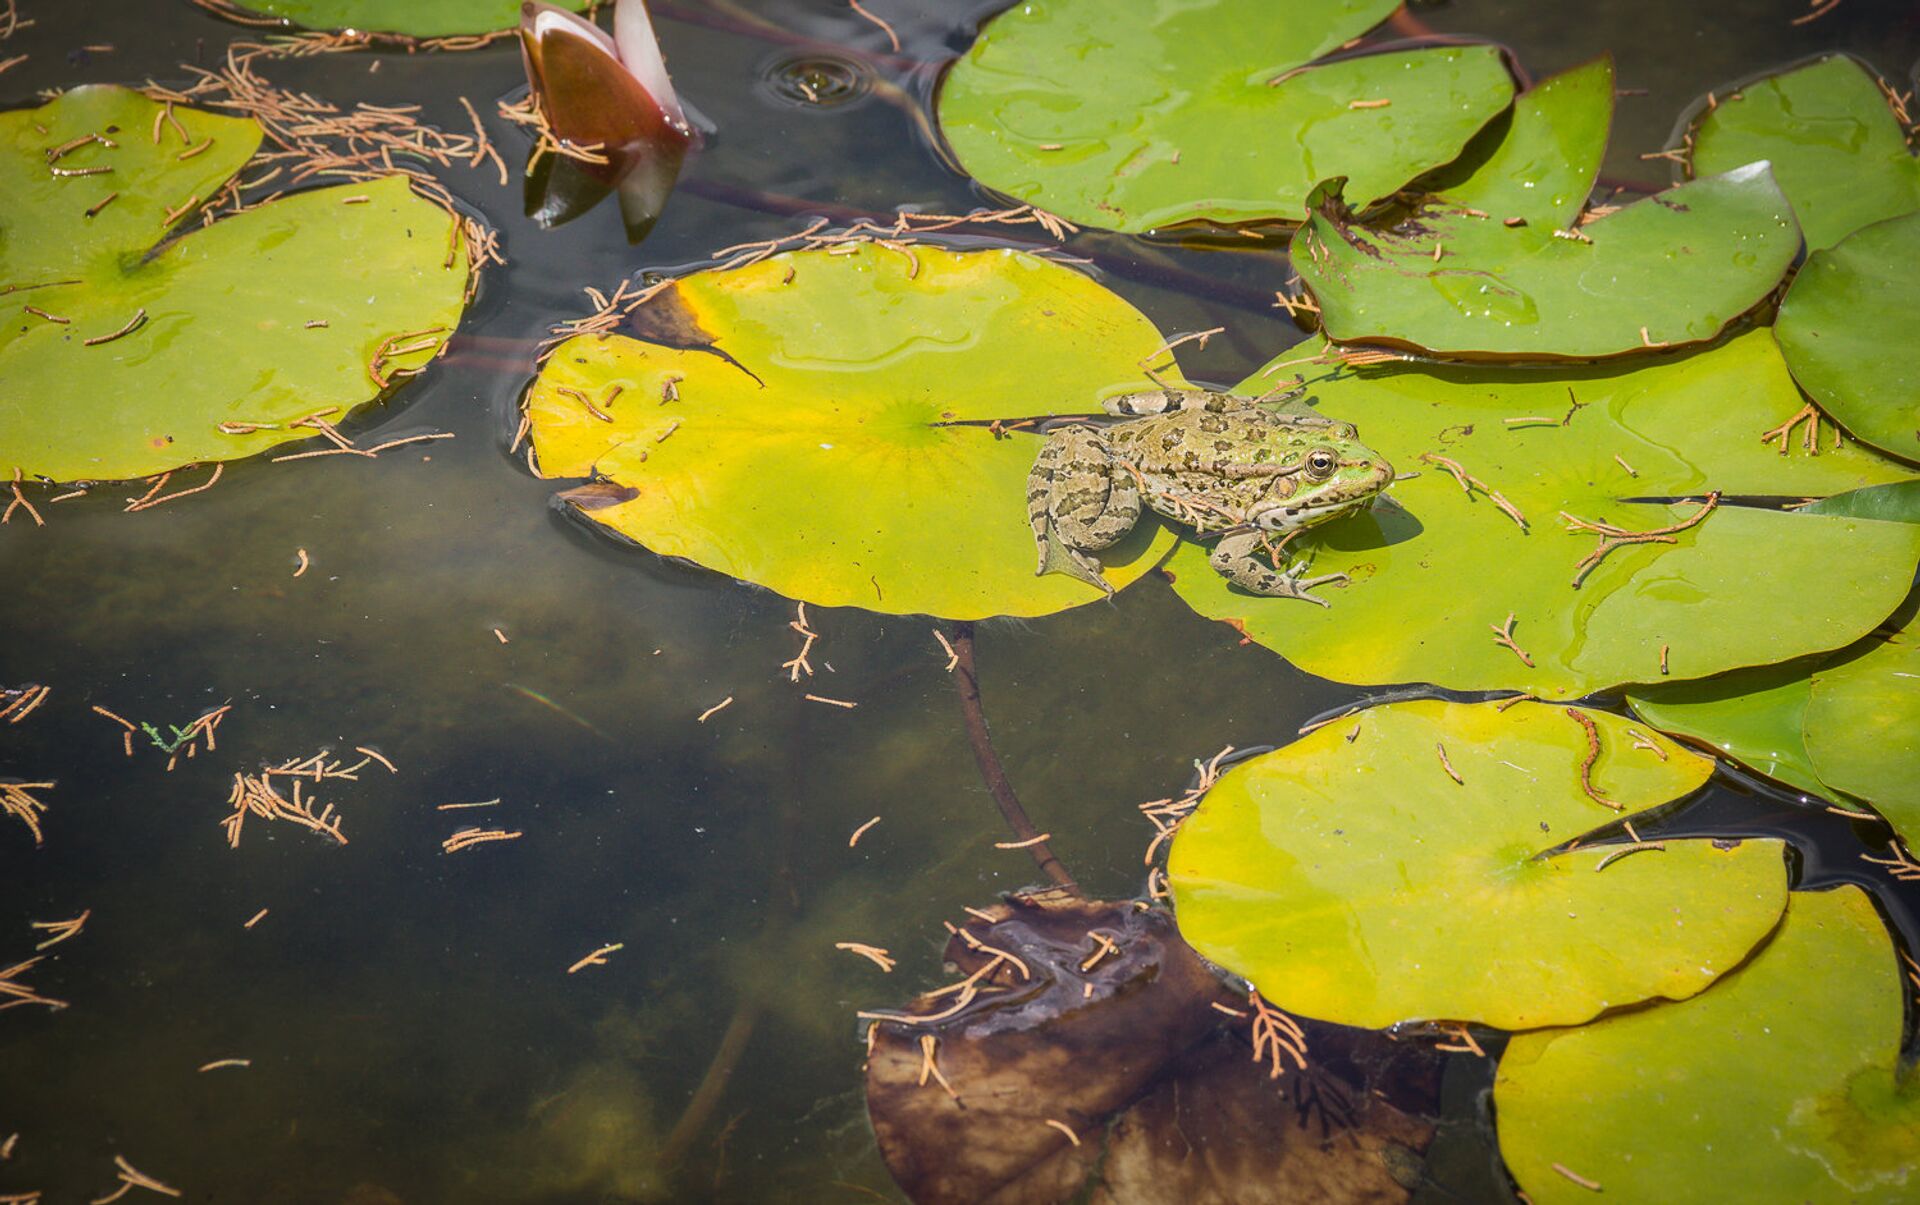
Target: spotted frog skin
{"points": [[1219, 463]]}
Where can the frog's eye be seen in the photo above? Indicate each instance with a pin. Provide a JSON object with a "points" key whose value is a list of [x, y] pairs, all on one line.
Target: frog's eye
{"points": [[1320, 464]]}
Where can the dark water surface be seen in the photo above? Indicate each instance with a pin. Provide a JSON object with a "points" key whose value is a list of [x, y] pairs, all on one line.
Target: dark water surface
{"points": [[413, 1031]]}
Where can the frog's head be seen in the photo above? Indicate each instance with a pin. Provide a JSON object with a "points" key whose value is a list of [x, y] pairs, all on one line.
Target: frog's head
{"points": [[1337, 474]]}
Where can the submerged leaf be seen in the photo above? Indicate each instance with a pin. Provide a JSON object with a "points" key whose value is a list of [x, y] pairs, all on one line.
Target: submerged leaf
{"points": [[410, 18], [1414, 864], [1494, 267], [1836, 146], [817, 423], [1123, 1048], [1211, 111], [1437, 571], [1780, 1083], [289, 309], [1846, 331]]}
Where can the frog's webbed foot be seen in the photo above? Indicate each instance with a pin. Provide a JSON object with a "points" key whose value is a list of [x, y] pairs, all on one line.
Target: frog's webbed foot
{"points": [[1165, 401], [1057, 556], [1079, 500], [1237, 559]]}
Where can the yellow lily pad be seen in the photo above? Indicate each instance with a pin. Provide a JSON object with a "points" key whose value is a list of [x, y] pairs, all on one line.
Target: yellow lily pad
{"points": [[129, 334], [818, 423], [1781, 1083], [1413, 863]]}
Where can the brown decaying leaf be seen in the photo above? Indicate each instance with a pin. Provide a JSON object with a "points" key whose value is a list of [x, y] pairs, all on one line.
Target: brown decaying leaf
{"points": [[598, 495], [1158, 1086]]}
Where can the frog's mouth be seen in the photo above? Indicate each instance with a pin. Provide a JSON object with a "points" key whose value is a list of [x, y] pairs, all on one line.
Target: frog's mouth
{"points": [[1306, 514]]}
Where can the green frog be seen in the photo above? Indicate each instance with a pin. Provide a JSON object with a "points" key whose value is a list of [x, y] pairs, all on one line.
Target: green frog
{"points": [[1218, 462]]}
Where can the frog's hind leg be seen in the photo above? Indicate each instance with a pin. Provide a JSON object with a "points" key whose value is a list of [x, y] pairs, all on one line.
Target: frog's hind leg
{"points": [[1167, 401], [1080, 499], [1236, 558]]}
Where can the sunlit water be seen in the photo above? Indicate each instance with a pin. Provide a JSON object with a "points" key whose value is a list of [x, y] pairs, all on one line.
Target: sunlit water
{"points": [[413, 1031]]}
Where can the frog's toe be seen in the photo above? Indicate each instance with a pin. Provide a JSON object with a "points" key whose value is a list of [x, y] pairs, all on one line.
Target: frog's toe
{"points": [[1258, 577], [1057, 556]]}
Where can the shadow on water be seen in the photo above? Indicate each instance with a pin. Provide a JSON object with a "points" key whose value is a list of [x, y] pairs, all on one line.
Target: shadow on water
{"points": [[413, 1030]]}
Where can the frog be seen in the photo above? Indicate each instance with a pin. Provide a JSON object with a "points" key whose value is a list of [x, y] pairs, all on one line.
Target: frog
{"points": [[1222, 463]]}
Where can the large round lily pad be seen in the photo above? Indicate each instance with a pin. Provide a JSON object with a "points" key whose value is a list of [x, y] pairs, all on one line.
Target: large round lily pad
{"points": [[412, 18], [1780, 1083], [1494, 268], [1846, 330], [1213, 110], [1836, 147], [822, 429], [263, 318], [1437, 570], [1397, 867]]}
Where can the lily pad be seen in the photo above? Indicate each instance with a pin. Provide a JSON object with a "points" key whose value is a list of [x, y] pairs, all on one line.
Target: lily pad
{"points": [[1753, 716], [1210, 111], [1845, 330], [1836, 147], [262, 318], [822, 427], [409, 18], [1781, 1083], [1897, 503], [1537, 162], [1128, 1052], [1862, 727], [1437, 571], [1845, 727], [1407, 865], [1497, 266]]}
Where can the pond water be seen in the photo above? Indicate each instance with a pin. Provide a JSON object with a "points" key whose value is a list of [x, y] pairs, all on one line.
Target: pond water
{"points": [[413, 1031]]}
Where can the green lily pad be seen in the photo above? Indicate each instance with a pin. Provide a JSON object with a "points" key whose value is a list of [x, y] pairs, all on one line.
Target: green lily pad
{"points": [[1435, 570], [1494, 267], [264, 317], [1862, 727], [1845, 330], [1395, 867], [1781, 1083], [409, 18], [1540, 160], [826, 435], [1751, 715], [1896, 503], [1836, 147], [1205, 111], [1845, 726]]}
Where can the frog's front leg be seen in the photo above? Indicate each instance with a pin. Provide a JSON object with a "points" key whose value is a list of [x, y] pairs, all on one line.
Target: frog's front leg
{"points": [[1080, 499], [1165, 401], [1236, 558]]}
